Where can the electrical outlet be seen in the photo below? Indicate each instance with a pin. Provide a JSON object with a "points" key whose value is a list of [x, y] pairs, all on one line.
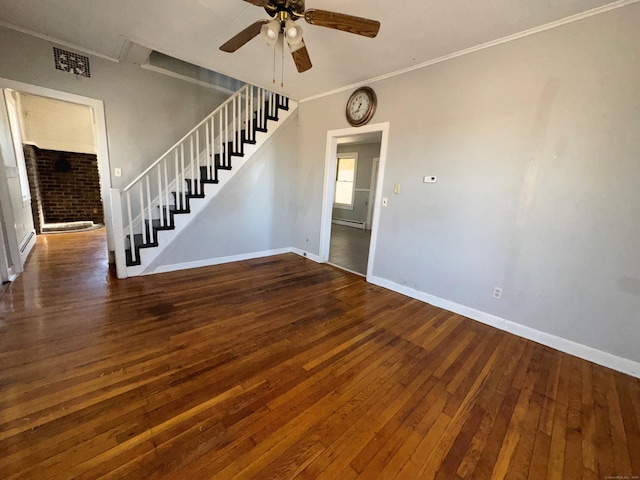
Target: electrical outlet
{"points": [[117, 172], [429, 179], [497, 292]]}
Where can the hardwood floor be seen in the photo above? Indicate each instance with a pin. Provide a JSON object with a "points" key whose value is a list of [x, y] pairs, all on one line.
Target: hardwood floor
{"points": [[283, 368]]}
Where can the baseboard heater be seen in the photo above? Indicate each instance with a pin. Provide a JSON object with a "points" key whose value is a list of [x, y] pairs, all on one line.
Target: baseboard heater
{"points": [[349, 223]]}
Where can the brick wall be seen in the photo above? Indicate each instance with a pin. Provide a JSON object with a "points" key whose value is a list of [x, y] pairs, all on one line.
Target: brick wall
{"points": [[68, 186]]}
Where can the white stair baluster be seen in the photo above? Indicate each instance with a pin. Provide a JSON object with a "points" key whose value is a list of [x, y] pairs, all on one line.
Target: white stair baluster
{"points": [[207, 135], [131, 235], [149, 207], [239, 132], [144, 230], [183, 203], [177, 181], [246, 113], [253, 137], [210, 173], [226, 134], [161, 223], [165, 215], [220, 137], [260, 107], [233, 127], [198, 185], [192, 186]]}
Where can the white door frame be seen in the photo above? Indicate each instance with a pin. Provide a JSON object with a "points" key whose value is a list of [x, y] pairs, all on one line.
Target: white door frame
{"points": [[330, 166], [102, 149], [5, 274], [372, 191]]}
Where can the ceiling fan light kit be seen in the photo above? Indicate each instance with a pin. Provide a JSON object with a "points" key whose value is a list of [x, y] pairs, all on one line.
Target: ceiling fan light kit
{"points": [[270, 32], [284, 13]]}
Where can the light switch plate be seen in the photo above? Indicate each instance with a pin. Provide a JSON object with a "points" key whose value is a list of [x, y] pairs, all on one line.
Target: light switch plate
{"points": [[117, 172], [385, 202], [429, 179], [396, 188]]}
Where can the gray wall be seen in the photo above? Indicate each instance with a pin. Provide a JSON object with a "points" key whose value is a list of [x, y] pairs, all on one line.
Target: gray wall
{"points": [[146, 112], [366, 153], [535, 143], [252, 213]]}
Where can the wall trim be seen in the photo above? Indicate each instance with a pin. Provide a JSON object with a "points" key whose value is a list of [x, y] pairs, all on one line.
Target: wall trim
{"points": [[57, 41], [349, 223], [13, 275], [558, 343], [218, 261], [309, 255], [482, 46], [233, 258]]}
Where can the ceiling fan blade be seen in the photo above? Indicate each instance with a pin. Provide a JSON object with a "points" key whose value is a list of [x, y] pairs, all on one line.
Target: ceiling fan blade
{"points": [[301, 57], [243, 37], [340, 21]]}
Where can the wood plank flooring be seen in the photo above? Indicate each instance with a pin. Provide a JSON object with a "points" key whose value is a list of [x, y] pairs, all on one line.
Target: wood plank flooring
{"points": [[281, 368]]}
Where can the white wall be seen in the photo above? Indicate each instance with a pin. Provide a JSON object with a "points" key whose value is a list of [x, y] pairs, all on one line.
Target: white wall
{"points": [[146, 112], [536, 146], [253, 213]]}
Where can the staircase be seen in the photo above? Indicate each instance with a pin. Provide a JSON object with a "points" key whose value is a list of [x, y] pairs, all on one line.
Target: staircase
{"points": [[151, 211]]}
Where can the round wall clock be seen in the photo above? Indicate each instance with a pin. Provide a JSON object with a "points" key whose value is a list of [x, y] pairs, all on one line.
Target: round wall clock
{"points": [[361, 106]]}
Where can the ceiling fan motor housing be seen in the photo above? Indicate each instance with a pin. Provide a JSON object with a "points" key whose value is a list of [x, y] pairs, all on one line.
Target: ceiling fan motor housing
{"points": [[294, 8]]}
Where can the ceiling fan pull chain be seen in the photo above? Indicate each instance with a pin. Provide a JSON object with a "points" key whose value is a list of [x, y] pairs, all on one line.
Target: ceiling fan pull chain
{"points": [[275, 45], [282, 73]]}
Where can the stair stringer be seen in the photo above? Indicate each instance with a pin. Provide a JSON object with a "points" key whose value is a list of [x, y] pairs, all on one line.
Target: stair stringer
{"points": [[197, 205]]}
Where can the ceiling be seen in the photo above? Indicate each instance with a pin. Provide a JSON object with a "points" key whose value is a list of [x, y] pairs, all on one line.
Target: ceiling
{"points": [[412, 32]]}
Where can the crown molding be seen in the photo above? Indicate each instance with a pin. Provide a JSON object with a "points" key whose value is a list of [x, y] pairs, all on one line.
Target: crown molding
{"points": [[58, 41], [482, 46]]}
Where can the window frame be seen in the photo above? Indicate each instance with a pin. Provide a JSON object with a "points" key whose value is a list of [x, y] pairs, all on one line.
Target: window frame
{"points": [[339, 156]]}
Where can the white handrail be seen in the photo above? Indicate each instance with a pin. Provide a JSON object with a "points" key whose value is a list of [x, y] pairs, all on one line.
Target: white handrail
{"points": [[177, 144]]}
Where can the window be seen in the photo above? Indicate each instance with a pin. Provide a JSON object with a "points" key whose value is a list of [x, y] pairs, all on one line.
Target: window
{"points": [[345, 180]]}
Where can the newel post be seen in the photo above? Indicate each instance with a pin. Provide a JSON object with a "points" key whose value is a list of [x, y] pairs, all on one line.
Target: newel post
{"points": [[118, 233]]}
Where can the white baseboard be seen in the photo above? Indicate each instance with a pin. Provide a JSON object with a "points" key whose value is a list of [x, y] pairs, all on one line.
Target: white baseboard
{"points": [[13, 274], [572, 348], [218, 261], [349, 223], [308, 255]]}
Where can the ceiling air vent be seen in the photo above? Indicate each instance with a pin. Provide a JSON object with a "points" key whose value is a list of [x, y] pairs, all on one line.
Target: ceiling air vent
{"points": [[71, 62]]}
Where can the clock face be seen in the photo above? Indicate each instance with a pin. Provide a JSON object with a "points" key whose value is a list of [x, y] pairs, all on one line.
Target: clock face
{"points": [[361, 106]]}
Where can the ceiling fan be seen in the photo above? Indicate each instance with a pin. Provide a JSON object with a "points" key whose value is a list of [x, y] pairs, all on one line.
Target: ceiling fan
{"points": [[283, 14]]}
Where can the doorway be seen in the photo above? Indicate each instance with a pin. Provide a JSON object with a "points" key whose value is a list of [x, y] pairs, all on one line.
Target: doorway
{"points": [[354, 169], [356, 175], [13, 154]]}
